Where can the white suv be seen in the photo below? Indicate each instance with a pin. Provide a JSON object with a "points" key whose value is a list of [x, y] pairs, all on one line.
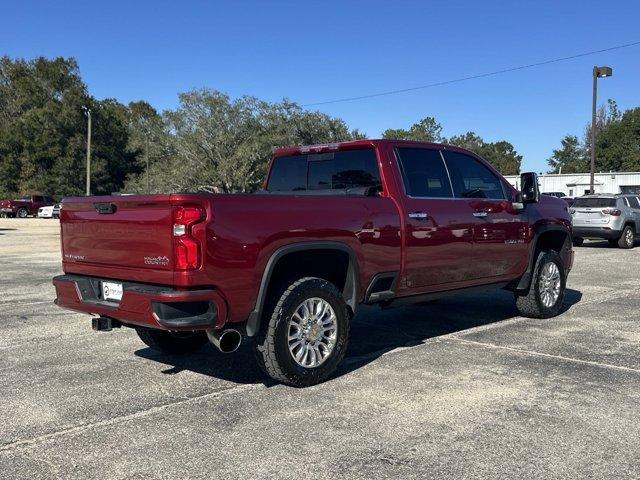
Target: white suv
{"points": [[612, 217]]}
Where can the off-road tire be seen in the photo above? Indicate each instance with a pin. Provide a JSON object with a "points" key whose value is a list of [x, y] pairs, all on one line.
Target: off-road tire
{"points": [[175, 343], [271, 346], [530, 304], [627, 241], [578, 241], [22, 213]]}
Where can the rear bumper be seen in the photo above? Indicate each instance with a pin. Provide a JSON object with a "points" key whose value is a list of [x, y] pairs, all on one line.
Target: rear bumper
{"points": [[145, 305], [596, 232], [8, 210]]}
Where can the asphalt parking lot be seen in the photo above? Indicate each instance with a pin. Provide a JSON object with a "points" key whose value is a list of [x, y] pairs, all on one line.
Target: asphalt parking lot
{"points": [[461, 388]]}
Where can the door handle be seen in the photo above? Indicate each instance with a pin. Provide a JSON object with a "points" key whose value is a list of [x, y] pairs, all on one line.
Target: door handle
{"points": [[479, 214], [419, 215]]}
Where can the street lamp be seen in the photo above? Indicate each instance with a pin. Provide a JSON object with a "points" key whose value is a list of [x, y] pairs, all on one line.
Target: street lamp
{"points": [[87, 111], [598, 72]]}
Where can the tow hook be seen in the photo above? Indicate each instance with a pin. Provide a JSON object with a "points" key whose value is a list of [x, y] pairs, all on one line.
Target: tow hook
{"points": [[104, 324]]}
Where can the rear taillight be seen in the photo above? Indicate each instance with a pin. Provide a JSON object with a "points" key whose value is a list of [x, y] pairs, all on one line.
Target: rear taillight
{"points": [[187, 249], [612, 211]]}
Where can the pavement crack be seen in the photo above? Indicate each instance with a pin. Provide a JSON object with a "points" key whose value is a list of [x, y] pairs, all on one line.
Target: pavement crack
{"points": [[11, 446], [547, 355]]}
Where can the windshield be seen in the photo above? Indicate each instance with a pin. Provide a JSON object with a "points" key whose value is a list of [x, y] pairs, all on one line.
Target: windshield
{"points": [[595, 202]]}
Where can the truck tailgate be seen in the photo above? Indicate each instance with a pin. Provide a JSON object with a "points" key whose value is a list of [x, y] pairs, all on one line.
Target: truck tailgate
{"points": [[118, 231]]}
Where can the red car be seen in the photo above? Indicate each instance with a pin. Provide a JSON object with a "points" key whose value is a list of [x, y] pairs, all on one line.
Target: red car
{"points": [[24, 206], [336, 226]]}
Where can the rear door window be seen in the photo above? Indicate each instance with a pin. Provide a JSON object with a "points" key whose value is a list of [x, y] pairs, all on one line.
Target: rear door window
{"points": [[424, 173], [472, 179], [288, 174], [594, 202], [633, 202], [346, 169]]}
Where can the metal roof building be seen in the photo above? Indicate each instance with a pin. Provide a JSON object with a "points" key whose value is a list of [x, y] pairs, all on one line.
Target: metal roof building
{"points": [[577, 184]]}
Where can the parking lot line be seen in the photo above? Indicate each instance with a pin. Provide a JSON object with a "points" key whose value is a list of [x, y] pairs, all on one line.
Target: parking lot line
{"points": [[540, 354]]}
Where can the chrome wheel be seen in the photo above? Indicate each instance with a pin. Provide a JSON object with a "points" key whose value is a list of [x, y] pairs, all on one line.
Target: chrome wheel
{"points": [[549, 284], [628, 237], [312, 332]]}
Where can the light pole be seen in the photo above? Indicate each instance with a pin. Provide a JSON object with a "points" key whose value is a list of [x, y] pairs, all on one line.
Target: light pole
{"points": [[88, 112], [598, 72], [146, 154]]}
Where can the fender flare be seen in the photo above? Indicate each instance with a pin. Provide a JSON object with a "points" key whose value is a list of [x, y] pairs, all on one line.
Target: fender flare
{"points": [[525, 279], [350, 291]]}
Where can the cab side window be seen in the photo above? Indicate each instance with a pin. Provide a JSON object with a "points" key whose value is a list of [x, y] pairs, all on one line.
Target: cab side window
{"points": [[471, 179], [423, 173]]}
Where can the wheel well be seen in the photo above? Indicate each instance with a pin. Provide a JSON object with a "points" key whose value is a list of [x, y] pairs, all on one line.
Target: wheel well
{"points": [[555, 240], [331, 265], [552, 240], [332, 261]]}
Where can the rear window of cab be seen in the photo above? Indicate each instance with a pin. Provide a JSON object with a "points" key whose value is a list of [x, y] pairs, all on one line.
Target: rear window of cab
{"points": [[341, 170]]}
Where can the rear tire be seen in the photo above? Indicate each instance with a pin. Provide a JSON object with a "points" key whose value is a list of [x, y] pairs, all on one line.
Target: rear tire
{"points": [[627, 238], [543, 299], [578, 241], [22, 213], [280, 341], [175, 343]]}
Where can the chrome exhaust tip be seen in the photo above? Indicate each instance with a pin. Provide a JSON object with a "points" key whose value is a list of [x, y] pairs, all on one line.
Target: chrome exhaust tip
{"points": [[227, 341]]}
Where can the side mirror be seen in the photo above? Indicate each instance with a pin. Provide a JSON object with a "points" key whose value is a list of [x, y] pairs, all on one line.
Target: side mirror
{"points": [[529, 187]]}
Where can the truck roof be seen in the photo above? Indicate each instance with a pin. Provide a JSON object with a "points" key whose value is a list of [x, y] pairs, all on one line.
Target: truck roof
{"points": [[329, 147]]}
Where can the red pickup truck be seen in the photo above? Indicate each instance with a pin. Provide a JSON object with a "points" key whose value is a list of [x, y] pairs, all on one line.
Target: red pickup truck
{"points": [[336, 226], [24, 206]]}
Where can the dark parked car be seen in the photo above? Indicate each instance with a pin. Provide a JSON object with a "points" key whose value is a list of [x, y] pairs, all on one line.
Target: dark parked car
{"points": [[337, 226]]}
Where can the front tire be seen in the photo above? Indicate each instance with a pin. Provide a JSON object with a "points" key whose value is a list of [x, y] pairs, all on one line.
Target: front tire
{"points": [[578, 241], [304, 335], [174, 343], [627, 238], [546, 293], [22, 213]]}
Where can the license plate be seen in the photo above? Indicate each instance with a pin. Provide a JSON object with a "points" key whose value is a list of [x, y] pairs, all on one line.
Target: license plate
{"points": [[112, 291]]}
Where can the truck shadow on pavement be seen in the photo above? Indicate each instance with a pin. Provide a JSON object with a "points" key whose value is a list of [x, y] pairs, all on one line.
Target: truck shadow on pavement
{"points": [[374, 332]]}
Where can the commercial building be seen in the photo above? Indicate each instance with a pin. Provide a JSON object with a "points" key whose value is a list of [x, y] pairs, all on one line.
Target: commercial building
{"points": [[577, 184]]}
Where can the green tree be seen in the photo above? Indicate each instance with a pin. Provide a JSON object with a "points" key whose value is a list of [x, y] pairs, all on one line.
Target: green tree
{"points": [[43, 130], [216, 144], [571, 157], [426, 130], [502, 154], [617, 143]]}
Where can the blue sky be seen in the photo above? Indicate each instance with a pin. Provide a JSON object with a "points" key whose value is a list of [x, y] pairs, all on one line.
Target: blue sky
{"points": [[316, 51]]}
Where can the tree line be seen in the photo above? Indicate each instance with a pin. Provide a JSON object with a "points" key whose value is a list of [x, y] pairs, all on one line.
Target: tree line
{"points": [[210, 142], [617, 144]]}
